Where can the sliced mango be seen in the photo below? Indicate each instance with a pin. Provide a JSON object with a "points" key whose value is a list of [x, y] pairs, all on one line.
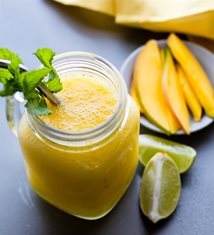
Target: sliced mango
{"points": [[148, 79], [173, 123], [195, 73], [173, 93], [189, 95], [134, 95], [172, 120], [162, 54]]}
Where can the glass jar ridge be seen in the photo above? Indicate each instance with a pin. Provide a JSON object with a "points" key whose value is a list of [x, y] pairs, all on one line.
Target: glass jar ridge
{"points": [[85, 64]]}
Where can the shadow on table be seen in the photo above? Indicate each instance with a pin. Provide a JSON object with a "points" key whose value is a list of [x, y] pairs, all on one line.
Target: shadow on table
{"points": [[197, 138], [126, 218], [55, 222]]}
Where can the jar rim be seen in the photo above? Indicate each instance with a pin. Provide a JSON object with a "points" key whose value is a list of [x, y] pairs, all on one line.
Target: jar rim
{"points": [[94, 132]]}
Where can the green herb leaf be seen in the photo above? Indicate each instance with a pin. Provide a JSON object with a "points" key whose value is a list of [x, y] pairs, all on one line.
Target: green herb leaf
{"points": [[46, 55], [9, 88], [32, 95], [6, 54], [27, 82], [37, 106], [7, 79], [14, 59], [5, 75], [54, 85], [14, 67], [33, 78]]}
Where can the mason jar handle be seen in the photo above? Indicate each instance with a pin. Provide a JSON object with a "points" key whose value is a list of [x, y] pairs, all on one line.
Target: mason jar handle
{"points": [[13, 111]]}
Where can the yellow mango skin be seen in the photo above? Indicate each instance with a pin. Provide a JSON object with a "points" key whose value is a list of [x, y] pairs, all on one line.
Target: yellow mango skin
{"points": [[173, 93], [189, 95], [135, 97], [147, 77], [195, 73]]}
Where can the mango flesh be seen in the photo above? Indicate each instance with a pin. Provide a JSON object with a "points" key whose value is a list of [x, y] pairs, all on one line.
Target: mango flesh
{"points": [[148, 80], [135, 97], [173, 93], [195, 73], [174, 124], [189, 95]]}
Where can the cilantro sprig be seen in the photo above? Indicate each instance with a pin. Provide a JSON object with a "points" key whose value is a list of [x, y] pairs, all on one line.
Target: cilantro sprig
{"points": [[29, 82]]}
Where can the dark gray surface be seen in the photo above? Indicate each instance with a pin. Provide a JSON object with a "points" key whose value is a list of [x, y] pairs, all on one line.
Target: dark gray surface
{"points": [[26, 25]]}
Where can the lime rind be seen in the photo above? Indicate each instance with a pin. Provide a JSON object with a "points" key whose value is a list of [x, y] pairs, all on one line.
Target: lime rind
{"points": [[160, 188], [181, 154]]}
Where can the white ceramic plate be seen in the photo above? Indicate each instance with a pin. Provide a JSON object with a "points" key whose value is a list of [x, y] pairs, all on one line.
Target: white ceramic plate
{"points": [[205, 58]]}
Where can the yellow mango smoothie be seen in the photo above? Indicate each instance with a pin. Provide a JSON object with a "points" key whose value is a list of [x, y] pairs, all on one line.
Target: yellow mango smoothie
{"points": [[85, 103], [83, 156]]}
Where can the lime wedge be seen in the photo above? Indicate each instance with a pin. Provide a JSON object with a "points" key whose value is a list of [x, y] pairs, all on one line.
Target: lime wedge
{"points": [[182, 155], [160, 188]]}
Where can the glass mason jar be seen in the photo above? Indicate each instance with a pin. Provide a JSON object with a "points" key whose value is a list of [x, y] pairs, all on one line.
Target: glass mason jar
{"points": [[83, 173]]}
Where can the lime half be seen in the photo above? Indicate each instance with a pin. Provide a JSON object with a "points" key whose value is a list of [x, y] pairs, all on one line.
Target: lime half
{"points": [[182, 155], [160, 188]]}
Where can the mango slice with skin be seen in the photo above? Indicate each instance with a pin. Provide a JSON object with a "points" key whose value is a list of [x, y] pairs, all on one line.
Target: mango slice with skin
{"points": [[195, 73], [135, 97], [162, 55], [148, 83], [174, 124], [189, 95], [173, 93]]}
